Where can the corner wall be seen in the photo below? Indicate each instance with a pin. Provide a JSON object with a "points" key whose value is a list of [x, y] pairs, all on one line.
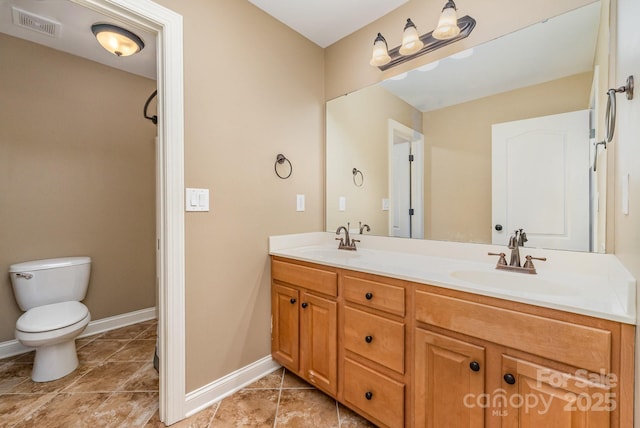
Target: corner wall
{"points": [[249, 95]]}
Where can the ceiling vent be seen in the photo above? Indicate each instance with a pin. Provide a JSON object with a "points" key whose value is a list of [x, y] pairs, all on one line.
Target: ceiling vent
{"points": [[34, 22]]}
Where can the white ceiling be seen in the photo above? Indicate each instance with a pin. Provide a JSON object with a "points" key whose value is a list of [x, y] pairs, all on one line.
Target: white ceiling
{"points": [[76, 37], [321, 21], [559, 47], [324, 22]]}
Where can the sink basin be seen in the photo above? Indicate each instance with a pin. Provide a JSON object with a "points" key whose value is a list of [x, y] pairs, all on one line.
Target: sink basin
{"points": [[511, 281], [327, 253]]}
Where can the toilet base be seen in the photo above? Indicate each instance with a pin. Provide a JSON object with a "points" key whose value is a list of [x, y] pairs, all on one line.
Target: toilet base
{"points": [[54, 361]]}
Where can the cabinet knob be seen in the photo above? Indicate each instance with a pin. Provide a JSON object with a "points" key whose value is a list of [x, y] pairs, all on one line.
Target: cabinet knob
{"points": [[293, 300], [498, 227], [368, 395], [475, 366], [304, 305], [509, 378], [368, 296], [368, 339]]}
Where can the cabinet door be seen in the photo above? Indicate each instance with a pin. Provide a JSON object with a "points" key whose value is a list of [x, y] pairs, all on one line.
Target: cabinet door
{"points": [[285, 329], [318, 341], [537, 396], [449, 376]]}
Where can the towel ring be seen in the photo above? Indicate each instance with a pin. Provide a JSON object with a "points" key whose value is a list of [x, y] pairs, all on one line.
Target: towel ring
{"points": [[610, 115], [355, 172], [280, 159]]}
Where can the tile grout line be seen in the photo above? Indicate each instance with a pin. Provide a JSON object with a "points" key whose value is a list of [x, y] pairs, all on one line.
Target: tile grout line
{"points": [[275, 419]]}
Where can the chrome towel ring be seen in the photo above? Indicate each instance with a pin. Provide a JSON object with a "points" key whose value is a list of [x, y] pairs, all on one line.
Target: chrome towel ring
{"points": [[280, 159]]}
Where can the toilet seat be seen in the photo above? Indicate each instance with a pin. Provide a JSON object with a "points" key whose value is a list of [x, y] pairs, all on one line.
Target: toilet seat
{"points": [[52, 317]]}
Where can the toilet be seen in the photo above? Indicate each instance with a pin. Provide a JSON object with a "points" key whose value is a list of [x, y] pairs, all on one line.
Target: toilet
{"points": [[50, 292]]}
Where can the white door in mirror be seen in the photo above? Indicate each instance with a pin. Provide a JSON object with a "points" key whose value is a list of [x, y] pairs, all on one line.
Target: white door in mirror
{"points": [[540, 180]]}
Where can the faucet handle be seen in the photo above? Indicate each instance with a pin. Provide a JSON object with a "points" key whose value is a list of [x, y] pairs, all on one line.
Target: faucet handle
{"points": [[529, 264], [353, 242], [502, 260]]}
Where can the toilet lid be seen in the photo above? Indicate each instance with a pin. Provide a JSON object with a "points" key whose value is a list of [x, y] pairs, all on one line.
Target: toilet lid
{"points": [[51, 317]]}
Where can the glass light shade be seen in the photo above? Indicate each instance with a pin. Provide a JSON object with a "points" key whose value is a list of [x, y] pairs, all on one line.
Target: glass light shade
{"points": [[380, 54], [447, 24], [116, 40], [411, 42]]}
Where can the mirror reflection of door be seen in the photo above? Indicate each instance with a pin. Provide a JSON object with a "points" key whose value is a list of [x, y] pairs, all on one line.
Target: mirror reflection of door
{"points": [[406, 181], [540, 180]]}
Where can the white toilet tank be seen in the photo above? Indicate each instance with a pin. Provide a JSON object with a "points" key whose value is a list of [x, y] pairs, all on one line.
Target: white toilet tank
{"points": [[42, 282]]}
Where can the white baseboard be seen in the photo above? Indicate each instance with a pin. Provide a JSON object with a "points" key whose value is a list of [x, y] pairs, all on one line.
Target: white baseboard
{"points": [[205, 396], [118, 321], [10, 348]]}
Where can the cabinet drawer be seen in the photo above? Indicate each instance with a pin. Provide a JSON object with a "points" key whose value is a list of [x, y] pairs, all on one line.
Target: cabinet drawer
{"points": [[374, 394], [376, 295], [573, 344], [319, 280], [374, 337]]}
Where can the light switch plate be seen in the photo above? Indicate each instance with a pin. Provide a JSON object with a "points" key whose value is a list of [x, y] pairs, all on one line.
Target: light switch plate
{"points": [[197, 199], [385, 204], [299, 202], [342, 203]]}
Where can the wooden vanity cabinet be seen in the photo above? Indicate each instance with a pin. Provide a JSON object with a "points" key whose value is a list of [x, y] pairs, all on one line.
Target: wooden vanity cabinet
{"points": [[449, 379], [537, 367], [538, 396], [304, 322], [373, 370], [404, 354]]}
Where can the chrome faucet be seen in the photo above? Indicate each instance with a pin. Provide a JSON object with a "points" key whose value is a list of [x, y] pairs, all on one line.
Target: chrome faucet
{"points": [[363, 227], [347, 243]]}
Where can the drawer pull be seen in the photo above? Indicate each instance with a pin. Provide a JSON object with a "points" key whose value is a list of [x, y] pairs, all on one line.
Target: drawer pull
{"points": [[474, 366], [293, 301], [368, 296], [368, 395], [304, 305], [368, 339], [509, 378]]}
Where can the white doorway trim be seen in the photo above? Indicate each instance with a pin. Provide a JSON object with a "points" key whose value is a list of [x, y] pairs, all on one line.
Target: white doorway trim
{"points": [[167, 25], [395, 131]]}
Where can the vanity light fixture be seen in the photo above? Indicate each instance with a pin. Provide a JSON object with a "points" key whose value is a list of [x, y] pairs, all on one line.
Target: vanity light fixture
{"points": [[117, 40], [450, 29]]}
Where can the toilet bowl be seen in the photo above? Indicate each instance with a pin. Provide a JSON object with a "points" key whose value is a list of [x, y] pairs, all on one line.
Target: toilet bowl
{"points": [[52, 330], [50, 292]]}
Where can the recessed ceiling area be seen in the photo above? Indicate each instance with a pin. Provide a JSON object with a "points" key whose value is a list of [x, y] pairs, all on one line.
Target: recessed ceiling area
{"points": [[73, 34], [324, 22]]}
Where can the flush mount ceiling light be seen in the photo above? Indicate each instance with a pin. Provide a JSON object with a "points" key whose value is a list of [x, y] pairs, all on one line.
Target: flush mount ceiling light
{"points": [[450, 29], [117, 40]]}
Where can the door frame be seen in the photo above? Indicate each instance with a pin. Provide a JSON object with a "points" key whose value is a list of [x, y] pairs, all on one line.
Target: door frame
{"points": [[416, 139], [167, 25]]}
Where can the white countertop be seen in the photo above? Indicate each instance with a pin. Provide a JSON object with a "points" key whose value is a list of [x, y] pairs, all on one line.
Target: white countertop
{"points": [[597, 285]]}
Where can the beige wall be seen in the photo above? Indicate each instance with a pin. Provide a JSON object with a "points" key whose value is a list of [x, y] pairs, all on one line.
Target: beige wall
{"points": [[249, 95], [458, 158], [357, 136], [347, 61], [627, 156], [77, 171]]}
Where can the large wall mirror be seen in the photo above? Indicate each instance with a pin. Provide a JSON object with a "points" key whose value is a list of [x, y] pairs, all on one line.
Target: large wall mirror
{"points": [[493, 139]]}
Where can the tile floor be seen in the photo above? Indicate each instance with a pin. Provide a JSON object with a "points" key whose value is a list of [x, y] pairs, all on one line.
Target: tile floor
{"points": [[117, 386]]}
